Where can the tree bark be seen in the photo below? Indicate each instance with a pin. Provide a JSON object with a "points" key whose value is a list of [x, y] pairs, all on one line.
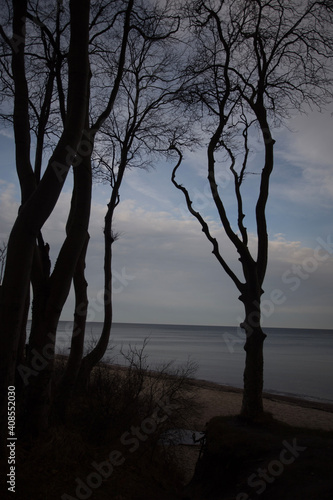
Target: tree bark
{"points": [[252, 403], [251, 292]]}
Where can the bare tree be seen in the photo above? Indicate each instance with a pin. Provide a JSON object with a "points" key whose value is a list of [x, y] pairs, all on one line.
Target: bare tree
{"points": [[136, 132], [252, 63]]}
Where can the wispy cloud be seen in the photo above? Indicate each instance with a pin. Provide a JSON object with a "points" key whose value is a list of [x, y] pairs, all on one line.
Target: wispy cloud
{"points": [[7, 133], [8, 208], [308, 155]]}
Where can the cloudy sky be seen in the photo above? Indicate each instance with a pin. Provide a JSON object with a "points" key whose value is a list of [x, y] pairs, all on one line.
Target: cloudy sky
{"points": [[163, 265]]}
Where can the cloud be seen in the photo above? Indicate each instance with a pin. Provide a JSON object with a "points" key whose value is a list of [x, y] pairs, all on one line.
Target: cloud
{"points": [[174, 278], [7, 133], [164, 270], [303, 276], [313, 140], [141, 183], [307, 153], [8, 208]]}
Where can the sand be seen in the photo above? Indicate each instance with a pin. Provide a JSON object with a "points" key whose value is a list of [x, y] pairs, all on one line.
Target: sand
{"points": [[223, 400], [220, 400]]}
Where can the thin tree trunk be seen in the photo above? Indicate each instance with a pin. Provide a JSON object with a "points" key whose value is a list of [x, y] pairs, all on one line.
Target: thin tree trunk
{"points": [[254, 273], [93, 357], [66, 386]]}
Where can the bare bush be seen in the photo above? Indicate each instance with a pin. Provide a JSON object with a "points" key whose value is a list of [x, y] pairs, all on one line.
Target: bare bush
{"points": [[118, 397]]}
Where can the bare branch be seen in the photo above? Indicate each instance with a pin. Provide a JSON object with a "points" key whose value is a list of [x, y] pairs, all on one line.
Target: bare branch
{"points": [[204, 225]]}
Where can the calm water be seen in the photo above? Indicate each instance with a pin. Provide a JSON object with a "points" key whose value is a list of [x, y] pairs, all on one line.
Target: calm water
{"points": [[297, 362]]}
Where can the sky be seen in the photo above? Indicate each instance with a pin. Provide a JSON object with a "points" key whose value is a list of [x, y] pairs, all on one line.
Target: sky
{"points": [[164, 269]]}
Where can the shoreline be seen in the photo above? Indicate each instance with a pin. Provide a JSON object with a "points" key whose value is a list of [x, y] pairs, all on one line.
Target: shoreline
{"points": [[274, 397], [290, 399], [217, 399], [222, 400]]}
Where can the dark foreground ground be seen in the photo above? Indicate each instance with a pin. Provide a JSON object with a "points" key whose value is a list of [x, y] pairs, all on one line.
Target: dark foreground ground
{"points": [[109, 451], [239, 461]]}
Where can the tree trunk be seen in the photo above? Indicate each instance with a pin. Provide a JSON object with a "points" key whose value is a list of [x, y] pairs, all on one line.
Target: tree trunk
{"points": [[65, 388], [93, 357], [39, 398], [252, 403]]}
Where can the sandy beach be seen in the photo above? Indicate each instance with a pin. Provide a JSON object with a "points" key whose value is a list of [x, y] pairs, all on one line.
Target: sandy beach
{"points": [[223, 400]]}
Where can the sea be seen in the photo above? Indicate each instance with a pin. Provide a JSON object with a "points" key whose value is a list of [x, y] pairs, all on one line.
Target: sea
{"points": [[297, 362]]}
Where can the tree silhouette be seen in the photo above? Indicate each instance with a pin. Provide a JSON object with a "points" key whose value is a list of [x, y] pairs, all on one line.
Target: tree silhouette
{"points": [[251, 64]]}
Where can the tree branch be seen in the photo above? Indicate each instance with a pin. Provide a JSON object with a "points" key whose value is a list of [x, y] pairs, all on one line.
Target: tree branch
{"points": [[120, 69], [204, 225]]}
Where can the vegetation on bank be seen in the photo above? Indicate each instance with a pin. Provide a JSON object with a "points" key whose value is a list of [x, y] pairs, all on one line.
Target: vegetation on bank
{"points": [[109, 447]]}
